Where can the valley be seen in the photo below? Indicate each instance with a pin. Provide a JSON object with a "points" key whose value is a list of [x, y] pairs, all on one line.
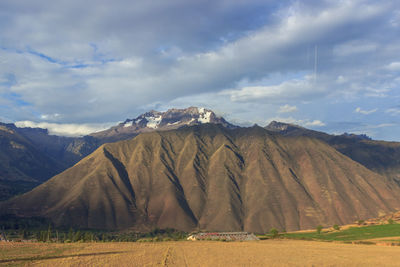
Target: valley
{"points": [[190, 170]]}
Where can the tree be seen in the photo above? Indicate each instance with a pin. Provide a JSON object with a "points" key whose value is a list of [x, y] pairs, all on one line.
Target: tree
{"points": [[87, 237], [78, 236], [48, 237], [319, 229], [274, 232], [390, 221], [38, 236], [23, 233], [71, 235], [336, 227]]}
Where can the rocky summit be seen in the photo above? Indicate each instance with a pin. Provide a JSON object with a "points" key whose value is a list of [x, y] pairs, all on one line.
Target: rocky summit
{"points": [[160, 121]]}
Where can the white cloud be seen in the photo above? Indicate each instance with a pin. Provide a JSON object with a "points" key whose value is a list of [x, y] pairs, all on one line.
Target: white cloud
{"points": [[316, 123], [393, 111], [66, 129], [287, 109], [304, 122], [393, 66], [382, 125], [365, 112], [292, 89], [54, 116]]}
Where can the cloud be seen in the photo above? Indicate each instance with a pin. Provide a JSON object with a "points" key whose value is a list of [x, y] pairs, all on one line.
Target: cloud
{"points": [[66, 129], [121, 58], [111, 61], [301, 122], [382, 125], [316, 123], [393, 111], [354, 47], [365, 112], [292, 89], [393, 66], [287, 109]]}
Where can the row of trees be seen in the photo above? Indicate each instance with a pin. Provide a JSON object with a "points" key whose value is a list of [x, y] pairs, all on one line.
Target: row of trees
{"points": [[71, 235]]}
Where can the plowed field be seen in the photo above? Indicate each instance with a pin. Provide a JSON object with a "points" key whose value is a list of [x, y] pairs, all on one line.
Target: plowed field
{"points": [[199, 253]]}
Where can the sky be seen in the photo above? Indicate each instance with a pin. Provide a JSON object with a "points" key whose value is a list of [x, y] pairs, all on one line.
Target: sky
{"points": [[75, 67]]}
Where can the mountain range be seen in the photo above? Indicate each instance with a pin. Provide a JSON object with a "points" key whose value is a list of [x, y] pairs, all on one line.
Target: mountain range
{"points": [[192, 170], [37, 156]]}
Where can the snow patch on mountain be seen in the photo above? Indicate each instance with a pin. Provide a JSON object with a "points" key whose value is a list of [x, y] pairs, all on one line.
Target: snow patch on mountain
{"points": [[189, 122], [205, 117], [153, 122], [129, 124], [174, 123]]}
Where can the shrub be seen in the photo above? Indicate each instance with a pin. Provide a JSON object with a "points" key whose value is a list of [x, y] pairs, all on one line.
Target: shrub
{"points": [[336, 227], [319, 229], [274, 232], [360, 222], [390, 221]]}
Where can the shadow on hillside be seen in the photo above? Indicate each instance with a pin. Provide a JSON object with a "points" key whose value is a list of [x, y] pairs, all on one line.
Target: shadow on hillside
{"points": [[36, 258]]}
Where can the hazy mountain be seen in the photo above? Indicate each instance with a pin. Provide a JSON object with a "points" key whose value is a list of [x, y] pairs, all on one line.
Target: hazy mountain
{"points": [[65, 150], [22, 165], [212, 178], [379, 156]]}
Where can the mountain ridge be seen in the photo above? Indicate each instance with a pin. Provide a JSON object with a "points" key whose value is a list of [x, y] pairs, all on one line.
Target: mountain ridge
{"points": [[61, 152], [379, 156], [209, 177]]}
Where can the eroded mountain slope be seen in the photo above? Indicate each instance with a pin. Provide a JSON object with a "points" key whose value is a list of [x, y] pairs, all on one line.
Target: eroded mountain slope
{"points": [[211, 178]]}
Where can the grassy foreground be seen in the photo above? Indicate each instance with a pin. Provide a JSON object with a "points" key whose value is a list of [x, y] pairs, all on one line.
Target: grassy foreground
{"points": [[351, 234], [201, 253]]}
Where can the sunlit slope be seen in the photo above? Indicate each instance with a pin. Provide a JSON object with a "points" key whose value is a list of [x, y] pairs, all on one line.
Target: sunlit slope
{"points": [[211, 178], [379, 156]]}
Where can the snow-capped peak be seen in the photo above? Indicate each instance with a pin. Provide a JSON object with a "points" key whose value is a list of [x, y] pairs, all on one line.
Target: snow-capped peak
{"points": [[172, 119], [159, 121]]}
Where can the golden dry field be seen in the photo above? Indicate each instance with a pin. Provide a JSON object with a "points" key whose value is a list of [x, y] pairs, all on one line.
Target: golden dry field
{"points": [[200, 253]]}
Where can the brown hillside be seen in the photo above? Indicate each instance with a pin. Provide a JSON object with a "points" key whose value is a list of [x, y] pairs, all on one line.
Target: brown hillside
{"points": [[212, 178], [379, 156]]}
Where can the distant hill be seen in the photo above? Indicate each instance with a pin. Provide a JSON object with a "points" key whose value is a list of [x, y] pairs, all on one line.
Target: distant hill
{"points": [[210, 177], [22, 165], [379, 156]]}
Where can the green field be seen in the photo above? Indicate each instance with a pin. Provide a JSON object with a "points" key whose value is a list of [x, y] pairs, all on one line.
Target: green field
{"points": [[351, 234]]}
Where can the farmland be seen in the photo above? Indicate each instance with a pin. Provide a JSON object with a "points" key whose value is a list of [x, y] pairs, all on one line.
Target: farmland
{"points": [[351, 234], [201, 253]]}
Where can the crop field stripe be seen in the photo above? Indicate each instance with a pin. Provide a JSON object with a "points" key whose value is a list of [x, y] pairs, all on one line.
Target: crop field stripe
{"points": [[166, 256]]}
